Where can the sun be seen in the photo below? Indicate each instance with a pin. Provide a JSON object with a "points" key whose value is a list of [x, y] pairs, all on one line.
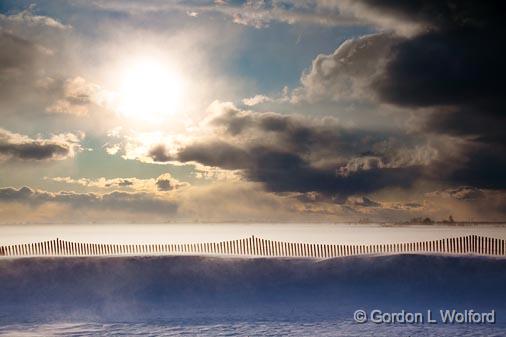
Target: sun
{"points": [[149, 91]]}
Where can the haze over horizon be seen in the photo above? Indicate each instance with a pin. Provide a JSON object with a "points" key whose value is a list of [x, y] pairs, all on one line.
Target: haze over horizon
{"points": [[251, 110]]}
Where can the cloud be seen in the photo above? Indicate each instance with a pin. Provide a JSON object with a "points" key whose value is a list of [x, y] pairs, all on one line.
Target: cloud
{"points": [[294, 153], [116, 200], [440, 62], [241, 201], [422, 64], [192, 14], [144, 146], [27, 17], [216, 173], [255, 100], [36, 74], [459, 77], [388, 16], [467, 203], [23, 50], [19, 60], [347, 73], [363, 202], [419, 16], [78, 95], [20, 147], [16, 53], [30, 47], [164, 182], [260, 13], [439, 66], [467, 193], [130, 183], [159, 153], [254, 13]]}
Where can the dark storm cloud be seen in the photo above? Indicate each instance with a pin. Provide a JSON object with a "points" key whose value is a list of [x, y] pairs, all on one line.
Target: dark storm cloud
{"points": [[456, 69], [454, 65], [216, 154], [116, 200], [299, 134], [296, 154], [16, 146], [438, 14], [446, 65], [281, 171], [484, 167], [441, 59], [288, 171], [467, 121]]}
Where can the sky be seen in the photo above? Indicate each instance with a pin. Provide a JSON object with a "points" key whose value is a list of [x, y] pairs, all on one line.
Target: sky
{"points": [[251, 111]]}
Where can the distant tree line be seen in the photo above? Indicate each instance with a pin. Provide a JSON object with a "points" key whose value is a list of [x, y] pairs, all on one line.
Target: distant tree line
{"points": [[429, 221]]}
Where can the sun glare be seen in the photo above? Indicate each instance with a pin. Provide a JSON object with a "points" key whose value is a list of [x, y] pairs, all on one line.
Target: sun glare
{"points": [[149, 91]]}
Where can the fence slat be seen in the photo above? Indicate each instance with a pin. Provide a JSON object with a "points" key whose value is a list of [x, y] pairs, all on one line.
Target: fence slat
{"points": [[254, 246]]}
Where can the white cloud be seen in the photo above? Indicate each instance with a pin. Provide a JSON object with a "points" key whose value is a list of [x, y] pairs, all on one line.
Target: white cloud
{"points": [[255, 100], [193, 14], [27, 17], [348, 72]]}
